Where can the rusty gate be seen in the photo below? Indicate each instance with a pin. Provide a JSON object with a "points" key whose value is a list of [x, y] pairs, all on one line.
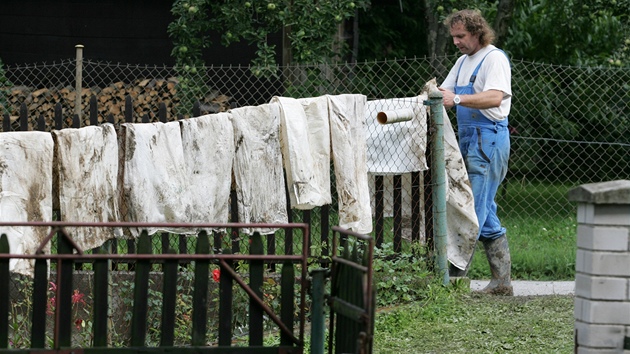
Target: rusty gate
{"points": [[197, 314]]}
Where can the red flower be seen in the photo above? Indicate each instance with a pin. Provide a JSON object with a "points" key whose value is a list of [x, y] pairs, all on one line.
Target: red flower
{"points": [[216, 275], [77, 297], [50, 306], [78, 323]]}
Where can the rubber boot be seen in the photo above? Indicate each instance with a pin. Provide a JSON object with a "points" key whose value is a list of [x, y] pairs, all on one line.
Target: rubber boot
{"points": [[498, 254]]}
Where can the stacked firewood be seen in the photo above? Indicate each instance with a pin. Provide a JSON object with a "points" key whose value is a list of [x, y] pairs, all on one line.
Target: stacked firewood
{"points": [[146, 94]]}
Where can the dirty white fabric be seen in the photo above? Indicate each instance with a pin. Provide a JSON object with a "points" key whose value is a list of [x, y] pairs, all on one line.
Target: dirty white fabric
{"points": [[26, 165], [399, 147], [461, 219], [258, 173], [316, 110], [347, 131], [304, 190], [396, 149], [462, 223], [208, 142], [154, 176], [86, 166]]}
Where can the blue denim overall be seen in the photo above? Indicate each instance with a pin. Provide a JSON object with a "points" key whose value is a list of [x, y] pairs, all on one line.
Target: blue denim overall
{"points": [[485, 147]]}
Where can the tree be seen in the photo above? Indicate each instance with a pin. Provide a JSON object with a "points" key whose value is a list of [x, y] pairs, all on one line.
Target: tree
{"points": [[416, 28], [572, 32], [310, 28]]}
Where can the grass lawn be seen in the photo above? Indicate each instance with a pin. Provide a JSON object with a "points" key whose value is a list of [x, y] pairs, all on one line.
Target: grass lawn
{"points": [[467, 323], [542, 230]]}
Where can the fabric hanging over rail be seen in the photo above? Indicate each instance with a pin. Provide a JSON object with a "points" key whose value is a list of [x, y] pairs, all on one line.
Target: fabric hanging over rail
{"points": [[154, 175], [461, 219], [258, 172], [347, 131], [208, 142], [396, 148], [86, 170], [26, 165], [316, 111], [304, 190]]}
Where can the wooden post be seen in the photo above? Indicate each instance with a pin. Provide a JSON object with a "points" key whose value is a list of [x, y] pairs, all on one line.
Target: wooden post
{"points": [[78, 80]]}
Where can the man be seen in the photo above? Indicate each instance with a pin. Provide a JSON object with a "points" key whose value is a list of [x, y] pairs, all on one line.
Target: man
{"points": [[479, 87]]}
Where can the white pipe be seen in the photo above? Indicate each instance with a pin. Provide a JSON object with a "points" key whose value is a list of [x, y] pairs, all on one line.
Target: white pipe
{"points": [[396, 116]]}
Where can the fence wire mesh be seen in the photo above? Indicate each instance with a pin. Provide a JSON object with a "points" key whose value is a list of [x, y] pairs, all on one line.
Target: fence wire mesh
{"points": [[570, 125]]}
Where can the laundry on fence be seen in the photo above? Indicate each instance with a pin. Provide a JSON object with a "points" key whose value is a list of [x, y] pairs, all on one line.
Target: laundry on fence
{"points": [[316, 111], [154, 174], [461, 220], [258, 172], [208, 144], [396, 148], [86, 181], [304, 189], [184, 171], [26, 165], [347, 132]]}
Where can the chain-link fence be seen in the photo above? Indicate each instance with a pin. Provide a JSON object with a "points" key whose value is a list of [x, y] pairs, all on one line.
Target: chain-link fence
{"points": [[570, 125]]}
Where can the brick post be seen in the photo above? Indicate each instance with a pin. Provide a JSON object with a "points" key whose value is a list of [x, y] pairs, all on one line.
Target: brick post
{"points": [[602, 267]]}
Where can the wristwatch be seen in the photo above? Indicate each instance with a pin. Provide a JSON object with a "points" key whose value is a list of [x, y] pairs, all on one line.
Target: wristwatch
{"points": [[457, 100]]}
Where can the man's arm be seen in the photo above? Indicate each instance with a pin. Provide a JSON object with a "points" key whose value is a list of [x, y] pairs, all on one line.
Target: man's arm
{"points": [[481, 100]]}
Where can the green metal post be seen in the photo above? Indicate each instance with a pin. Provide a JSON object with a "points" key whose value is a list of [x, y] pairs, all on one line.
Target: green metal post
{"points": [[318, 324], [438, 174]]}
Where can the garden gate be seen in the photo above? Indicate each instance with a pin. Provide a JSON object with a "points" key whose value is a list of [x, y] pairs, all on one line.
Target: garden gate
{"points": [[162, 309]]}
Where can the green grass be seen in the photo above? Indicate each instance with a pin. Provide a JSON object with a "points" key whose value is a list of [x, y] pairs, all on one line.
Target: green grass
{"points": [[467, 323], [541, 228]]}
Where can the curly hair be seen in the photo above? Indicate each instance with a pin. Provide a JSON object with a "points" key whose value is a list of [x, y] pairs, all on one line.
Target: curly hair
{"points": [[474, 23]]}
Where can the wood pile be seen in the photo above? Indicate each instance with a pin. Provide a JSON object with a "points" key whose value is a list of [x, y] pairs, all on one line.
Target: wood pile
{"points": [[147, 95]]}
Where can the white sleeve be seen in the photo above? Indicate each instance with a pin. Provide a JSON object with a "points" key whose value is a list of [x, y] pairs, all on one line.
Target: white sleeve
{"points": [[497, 73]]}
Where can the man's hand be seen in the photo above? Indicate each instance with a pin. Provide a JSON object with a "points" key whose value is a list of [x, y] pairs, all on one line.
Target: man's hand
{"points": [[447, 97]]}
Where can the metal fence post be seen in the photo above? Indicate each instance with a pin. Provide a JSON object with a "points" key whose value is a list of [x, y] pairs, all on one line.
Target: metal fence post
{"points": [[78, 80], [438, 175], [318, 323]]}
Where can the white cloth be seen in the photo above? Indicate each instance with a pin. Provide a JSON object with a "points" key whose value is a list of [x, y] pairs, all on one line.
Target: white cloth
{"points": [[208, 142], [258, 173], [495, 74], [399, 147], [26, 165], [154, 174], [347, 131], [304, 190], [86, 163], [461, 219], [316, 110]]}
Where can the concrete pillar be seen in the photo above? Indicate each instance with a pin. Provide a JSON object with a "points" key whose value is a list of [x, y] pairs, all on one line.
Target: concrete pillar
{"points": [[602, 277]]}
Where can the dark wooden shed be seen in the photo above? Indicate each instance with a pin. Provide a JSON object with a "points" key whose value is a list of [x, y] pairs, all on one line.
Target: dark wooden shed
{"points": [[125, 31]]}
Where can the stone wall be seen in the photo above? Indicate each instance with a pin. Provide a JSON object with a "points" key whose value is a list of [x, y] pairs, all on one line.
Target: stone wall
{"points": [[602, 279]]}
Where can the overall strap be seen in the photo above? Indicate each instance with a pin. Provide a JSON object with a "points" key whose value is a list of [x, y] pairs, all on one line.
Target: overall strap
{"points": [[473, 77]]}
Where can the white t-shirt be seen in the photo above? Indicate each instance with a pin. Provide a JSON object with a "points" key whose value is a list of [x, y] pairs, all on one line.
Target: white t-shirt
{"points": [[495, 74]]}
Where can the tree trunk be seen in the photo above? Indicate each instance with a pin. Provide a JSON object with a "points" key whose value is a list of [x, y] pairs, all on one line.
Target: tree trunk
{"points": [[505, 10], [437, 39]]}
